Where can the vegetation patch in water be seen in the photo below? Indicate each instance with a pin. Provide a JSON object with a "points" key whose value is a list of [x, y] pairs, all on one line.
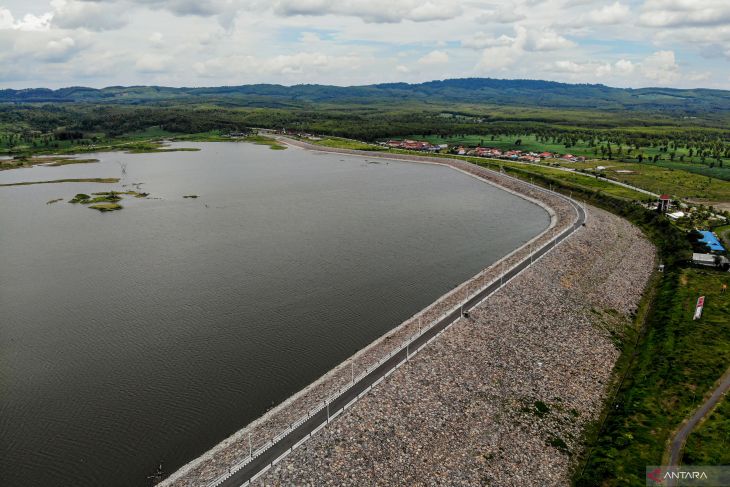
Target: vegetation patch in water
{"points": [[80, 198], [106, 207], [105, 200], [154, 146], [24, 161], [80, 180]]}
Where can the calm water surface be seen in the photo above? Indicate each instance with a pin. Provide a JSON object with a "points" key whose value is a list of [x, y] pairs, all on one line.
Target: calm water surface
{"points": [[152, 333]]}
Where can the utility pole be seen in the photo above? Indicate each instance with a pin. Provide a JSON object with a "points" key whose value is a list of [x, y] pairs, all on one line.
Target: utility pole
{"points": [[352, 371], [250, 446]]}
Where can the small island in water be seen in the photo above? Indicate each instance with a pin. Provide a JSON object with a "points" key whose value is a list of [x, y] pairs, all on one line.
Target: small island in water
{"points": [[106, 200]]}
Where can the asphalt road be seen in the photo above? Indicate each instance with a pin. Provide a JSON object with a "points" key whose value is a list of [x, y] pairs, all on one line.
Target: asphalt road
{"points": [[281, 447]]}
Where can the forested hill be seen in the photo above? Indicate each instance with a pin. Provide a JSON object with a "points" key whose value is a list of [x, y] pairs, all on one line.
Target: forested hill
{"points": [[468, 90]]}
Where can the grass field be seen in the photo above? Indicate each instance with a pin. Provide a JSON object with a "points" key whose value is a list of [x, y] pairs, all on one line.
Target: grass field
{"points": [[341, 143], [530, 143], [657, 179], [569, 178], [709, 443], [724, 233], [677, 362]]}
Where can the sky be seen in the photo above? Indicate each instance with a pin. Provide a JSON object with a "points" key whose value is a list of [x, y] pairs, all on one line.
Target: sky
{"points": [[624, 43]]}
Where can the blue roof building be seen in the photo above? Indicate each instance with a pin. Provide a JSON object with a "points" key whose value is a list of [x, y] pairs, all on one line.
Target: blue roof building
{"points": [[709, 239]]}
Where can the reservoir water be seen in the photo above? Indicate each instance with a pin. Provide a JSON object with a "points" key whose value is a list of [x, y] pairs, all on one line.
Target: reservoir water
{"points": [[152, 333]]}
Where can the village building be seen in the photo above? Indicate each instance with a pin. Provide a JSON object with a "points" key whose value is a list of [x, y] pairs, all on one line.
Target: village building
{"points": [[664, 201]]}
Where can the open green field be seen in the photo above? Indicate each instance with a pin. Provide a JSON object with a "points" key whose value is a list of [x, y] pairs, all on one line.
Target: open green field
{"points": [[657, 179], [627, 153], [676, 363], [343, 143], [567, 178], [709, 443], [680, 156], [701, 169], [528, 143], [724, 233]]}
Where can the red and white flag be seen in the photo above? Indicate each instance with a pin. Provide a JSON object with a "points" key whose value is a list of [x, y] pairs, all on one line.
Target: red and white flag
{"points": [[698, 309]]}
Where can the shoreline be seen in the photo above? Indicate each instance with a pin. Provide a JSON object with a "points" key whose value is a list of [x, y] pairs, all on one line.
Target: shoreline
{"points": [[211, 464]]}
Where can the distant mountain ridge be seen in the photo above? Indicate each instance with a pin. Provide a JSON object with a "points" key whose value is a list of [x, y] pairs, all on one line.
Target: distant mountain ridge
{"points": [[518, 92]]}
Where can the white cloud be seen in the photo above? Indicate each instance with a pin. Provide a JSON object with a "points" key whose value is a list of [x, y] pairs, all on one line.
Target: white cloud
{"points": [[504, 54], [504, 14], [482, 40], [547, 40], [301, 63], [73, 14], [615, 13], [58, 49], [310, 38], [203, 8], [6, 19], [156, 38], [29, 22], [434, 57], [624, 67], [661, 67], [597, 71], [529, 40], [620, 42], [153, 63], [658, 69], [682, 13], [570, 67], [375, 11]]}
